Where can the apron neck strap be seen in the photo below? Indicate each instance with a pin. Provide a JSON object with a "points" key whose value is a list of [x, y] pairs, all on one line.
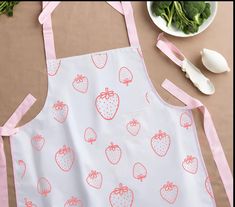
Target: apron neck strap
{"points": [[9, 129], [211, 134], [44, 18]]}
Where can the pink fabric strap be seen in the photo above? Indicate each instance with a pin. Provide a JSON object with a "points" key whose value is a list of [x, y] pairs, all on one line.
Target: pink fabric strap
{"points": [[47, 30], [44, 18], [9, 129], [116, 5], [170, 50], [48, 8], [210, 131]]}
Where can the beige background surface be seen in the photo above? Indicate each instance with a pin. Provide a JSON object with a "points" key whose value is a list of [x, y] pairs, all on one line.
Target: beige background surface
{"points": [[91, 27]]}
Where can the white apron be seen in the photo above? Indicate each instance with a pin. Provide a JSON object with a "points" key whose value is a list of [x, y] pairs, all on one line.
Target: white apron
{"points": [[104, 137]]}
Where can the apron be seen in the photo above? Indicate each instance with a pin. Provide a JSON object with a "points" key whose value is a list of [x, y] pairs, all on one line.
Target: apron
{"points": [[105, 137]]}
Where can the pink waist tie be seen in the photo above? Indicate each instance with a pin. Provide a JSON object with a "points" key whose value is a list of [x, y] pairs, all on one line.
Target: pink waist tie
{"points": [[8, 129], [211, 134]]}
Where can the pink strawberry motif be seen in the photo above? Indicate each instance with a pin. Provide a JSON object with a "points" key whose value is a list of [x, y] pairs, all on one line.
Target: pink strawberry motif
{"points": [[209, 188], [60, 111], [125, 76], [121, 196], [190, 164], [44, 187], [185, 120], [113, 153], [139, 171], [53, 67], [64, 158], [133, 127], [29, 203], [94, 179], [22, 165], [73, 202], [169, 192], [37, 142], [90, 135], [80, 84], [160, 143], [99, 60], [107, 104]]}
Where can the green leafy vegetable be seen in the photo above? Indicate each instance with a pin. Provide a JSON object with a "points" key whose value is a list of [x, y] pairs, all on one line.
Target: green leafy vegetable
{"points": [[187, 25], [186, 16], [162, 8], [193, 10], [207, 11], [6, 7]]}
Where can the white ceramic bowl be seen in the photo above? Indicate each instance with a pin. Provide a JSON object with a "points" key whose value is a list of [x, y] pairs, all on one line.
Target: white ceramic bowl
{"points": [[161, 23]]}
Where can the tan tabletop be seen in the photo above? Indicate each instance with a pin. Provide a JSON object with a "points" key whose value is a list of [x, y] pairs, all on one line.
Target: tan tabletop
{"points": [[87, 27]]}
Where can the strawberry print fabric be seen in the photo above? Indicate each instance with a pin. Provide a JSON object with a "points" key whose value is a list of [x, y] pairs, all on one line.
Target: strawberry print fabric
{"points": [[104, 138]]}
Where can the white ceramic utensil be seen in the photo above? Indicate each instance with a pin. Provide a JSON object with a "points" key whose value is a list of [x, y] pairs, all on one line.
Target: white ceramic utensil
{"points": [[192, 72]]}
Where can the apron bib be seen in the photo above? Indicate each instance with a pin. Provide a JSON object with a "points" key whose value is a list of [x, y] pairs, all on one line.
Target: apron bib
{"points": [[105, 138]]}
